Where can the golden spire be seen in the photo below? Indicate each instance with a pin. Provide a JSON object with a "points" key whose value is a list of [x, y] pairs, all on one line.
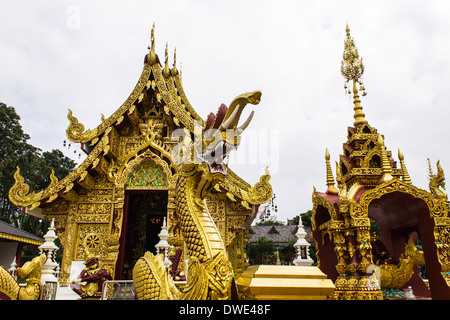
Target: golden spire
{"points": [[152, 55], [385, 163], [166, 54], [352, 68], [405, 173], [174, 70], [330, 179], [166, 71]]}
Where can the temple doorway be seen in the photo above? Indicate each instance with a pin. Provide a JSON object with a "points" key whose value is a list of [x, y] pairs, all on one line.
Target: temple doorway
{"points": [[144, 215]]}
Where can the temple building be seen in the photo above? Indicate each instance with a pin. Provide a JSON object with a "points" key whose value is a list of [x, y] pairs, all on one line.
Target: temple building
{"points": [[114, 203], [366, 229]]}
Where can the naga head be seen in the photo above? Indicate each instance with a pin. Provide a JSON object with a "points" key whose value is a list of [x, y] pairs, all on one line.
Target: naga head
{"points": [[32, 268], [222, 131]]}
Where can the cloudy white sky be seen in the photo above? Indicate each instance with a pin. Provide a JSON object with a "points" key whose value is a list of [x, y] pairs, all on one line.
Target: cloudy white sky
{"points": [[88, 56]]}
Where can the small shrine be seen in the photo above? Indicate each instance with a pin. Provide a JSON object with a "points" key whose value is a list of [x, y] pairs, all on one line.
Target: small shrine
{"points": [[374, 189]]}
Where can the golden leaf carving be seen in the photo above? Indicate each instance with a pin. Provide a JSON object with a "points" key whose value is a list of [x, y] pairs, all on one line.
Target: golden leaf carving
{"points": [[75, 131], [19, 194], [261, 192]]}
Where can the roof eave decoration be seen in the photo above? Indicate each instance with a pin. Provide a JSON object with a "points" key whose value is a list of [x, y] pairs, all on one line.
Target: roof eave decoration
{"points": [[260, 193], [20, 194], [20, 239], [235, 188]]}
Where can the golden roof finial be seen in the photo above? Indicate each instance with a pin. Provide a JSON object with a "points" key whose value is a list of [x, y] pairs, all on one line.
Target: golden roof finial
{"points": [[405, 173], [330, 179], [152, 38], [166, 71], [152, 55], [352, 69], [166, 54], [175, 57], [174, 70]]}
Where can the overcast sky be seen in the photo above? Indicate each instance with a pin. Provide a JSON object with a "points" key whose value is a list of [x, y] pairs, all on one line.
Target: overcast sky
{"points": [[88, 56]]}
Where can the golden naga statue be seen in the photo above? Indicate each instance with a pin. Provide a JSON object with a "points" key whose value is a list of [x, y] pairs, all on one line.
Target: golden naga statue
{"points": [[394, 276], [436, 180], [9, 288], [210, 273]]}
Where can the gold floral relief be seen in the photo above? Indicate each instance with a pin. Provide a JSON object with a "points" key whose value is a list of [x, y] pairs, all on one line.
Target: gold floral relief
{"points": [[91, 237], [94, 208]]}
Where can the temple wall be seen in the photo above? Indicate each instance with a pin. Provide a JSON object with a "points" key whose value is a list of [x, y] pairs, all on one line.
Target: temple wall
{"points": [[84, 225]]}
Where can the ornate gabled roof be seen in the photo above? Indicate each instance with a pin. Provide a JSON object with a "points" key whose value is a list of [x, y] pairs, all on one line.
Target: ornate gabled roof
{"points": [[157, 82]]}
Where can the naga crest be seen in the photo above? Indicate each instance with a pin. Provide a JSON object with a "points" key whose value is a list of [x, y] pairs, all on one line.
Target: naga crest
{"points": [[436, 180], [213, 142]]}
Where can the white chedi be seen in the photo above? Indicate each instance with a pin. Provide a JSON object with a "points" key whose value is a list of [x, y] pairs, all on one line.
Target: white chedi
{"points": [[163, 247], [49, 247], [302, 257]]}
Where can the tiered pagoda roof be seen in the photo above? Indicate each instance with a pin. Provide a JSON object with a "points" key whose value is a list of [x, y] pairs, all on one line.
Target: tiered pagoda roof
{"points": [[365, 162]]}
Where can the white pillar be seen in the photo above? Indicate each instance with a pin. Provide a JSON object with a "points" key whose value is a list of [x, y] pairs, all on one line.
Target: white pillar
{"points": [[49, 247]]}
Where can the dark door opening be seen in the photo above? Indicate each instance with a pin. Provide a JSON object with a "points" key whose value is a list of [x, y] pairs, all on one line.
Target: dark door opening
{"points": [[145, 211]]}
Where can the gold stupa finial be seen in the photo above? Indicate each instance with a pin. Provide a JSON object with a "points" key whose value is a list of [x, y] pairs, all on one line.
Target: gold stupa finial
{"points": [[405, 173], [331, 189], [352, 69]]}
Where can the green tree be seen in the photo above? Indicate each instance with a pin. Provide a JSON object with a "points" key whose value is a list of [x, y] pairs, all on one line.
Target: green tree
{"points": [[14, 151], [261, 252], [35, 167], [287, 250], [60, 164], [306, 219], [270, 222]]}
